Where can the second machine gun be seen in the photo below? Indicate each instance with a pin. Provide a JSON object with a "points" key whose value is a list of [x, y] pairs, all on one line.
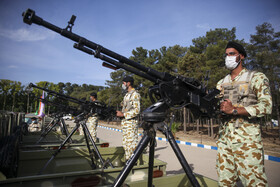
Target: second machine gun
{"points": [[168, 90], [86, 109]]}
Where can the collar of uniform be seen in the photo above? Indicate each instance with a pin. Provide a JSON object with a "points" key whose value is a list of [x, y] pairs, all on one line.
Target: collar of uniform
{"points": [[131, 90], [239, 75]]}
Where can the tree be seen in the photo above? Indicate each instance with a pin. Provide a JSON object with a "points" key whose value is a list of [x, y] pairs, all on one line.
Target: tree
{"points": [[61, 87], [206, 55], [148, 59], [15, 88], [170, 58], [5, 88], [264, 56], [68, 88], [113, 95], [213, 37]]}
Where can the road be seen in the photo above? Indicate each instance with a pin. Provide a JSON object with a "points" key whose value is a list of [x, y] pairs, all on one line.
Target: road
{"points": [[201, 160]]}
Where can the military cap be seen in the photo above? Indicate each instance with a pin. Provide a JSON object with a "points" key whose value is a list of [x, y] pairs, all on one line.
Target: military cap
{"points": [[128, 79], [93, 94], [237, 46]]}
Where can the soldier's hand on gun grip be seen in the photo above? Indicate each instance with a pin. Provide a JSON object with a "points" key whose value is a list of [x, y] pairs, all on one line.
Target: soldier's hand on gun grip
{"points": [[226, 106]]}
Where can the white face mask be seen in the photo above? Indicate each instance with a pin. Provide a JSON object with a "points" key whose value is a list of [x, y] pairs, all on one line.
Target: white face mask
{"points": [[231, 63], [124, 87]]}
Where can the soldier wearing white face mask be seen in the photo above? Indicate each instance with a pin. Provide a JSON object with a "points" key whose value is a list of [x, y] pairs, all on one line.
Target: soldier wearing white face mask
{"points": [[129, 113], [245, 98]]}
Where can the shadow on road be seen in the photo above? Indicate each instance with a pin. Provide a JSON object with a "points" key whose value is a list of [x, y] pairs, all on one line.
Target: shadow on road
{"points": [[160, 148], [173, 172]]}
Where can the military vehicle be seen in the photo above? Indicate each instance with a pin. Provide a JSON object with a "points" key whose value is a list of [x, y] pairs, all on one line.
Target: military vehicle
{"points": [[72, 166]]}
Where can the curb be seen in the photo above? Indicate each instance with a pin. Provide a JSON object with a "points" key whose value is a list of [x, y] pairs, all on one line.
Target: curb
{"points": [[266, 157]]}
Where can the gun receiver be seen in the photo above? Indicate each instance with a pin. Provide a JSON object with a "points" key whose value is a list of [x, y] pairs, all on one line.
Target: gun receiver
{"points": [[174, 91]]}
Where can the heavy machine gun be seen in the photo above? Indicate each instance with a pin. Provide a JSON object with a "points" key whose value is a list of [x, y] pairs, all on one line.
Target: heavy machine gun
{"points": [[173, 91], [168, 92], [85, 111]]}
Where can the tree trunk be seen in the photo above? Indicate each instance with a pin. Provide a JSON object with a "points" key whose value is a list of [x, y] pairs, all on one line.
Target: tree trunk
{"points": [[208, 127], [189, 121], [212, 128], [27, 108], [277, 98], [278, 118], [277, 110], [185, 124], [197, 125], [14, 98], [4, 102]]}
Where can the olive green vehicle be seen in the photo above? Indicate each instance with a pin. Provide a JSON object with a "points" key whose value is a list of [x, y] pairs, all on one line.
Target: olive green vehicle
{"points": [[22, 161]]}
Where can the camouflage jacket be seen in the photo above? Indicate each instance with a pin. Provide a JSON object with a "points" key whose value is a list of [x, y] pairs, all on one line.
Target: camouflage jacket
{"points": [[131, 104], [248, 127]]}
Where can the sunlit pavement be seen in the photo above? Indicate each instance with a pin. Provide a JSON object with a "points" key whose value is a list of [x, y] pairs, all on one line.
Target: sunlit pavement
{"points": [[202, 161]]}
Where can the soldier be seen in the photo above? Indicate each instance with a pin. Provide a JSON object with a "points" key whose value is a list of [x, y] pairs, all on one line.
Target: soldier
{"points": [[129, 113], [92, 120], [34, 126], [245, 98]]}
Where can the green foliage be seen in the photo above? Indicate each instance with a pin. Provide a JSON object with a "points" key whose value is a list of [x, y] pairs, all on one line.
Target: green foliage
{"points": [[264, 52], [213, 37], [9, 88], [17, 98], [175, 127], [264, 56]]}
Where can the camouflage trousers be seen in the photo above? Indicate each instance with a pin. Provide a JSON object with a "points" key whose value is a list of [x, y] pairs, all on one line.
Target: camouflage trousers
{"points": [[241, 160], [130, 136], [92, 123], [34, 127]]}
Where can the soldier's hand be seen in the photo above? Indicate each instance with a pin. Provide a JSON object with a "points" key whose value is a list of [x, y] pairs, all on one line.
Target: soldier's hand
{"points": [[226, 106], [120, 114]]}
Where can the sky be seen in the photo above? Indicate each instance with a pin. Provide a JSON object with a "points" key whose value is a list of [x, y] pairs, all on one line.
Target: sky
{"points": [[32, 53]]}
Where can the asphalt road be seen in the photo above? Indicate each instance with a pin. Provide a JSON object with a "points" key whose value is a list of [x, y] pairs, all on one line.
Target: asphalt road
{"points": [[201, 160]]}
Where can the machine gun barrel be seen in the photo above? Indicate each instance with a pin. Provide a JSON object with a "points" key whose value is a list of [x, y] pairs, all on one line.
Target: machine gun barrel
{"points": [[62, 96], [65, 108], [29, 17], [90, 107]]}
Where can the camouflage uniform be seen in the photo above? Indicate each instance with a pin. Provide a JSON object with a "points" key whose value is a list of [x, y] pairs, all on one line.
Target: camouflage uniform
{"points": [[92, 126], [34, 127], [240, 150], [131, 110]]}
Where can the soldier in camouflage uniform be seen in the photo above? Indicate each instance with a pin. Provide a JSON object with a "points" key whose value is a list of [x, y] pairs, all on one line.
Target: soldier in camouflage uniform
{"points": [[129, 113], [245, 98], [92, 121], [34, 126]]}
